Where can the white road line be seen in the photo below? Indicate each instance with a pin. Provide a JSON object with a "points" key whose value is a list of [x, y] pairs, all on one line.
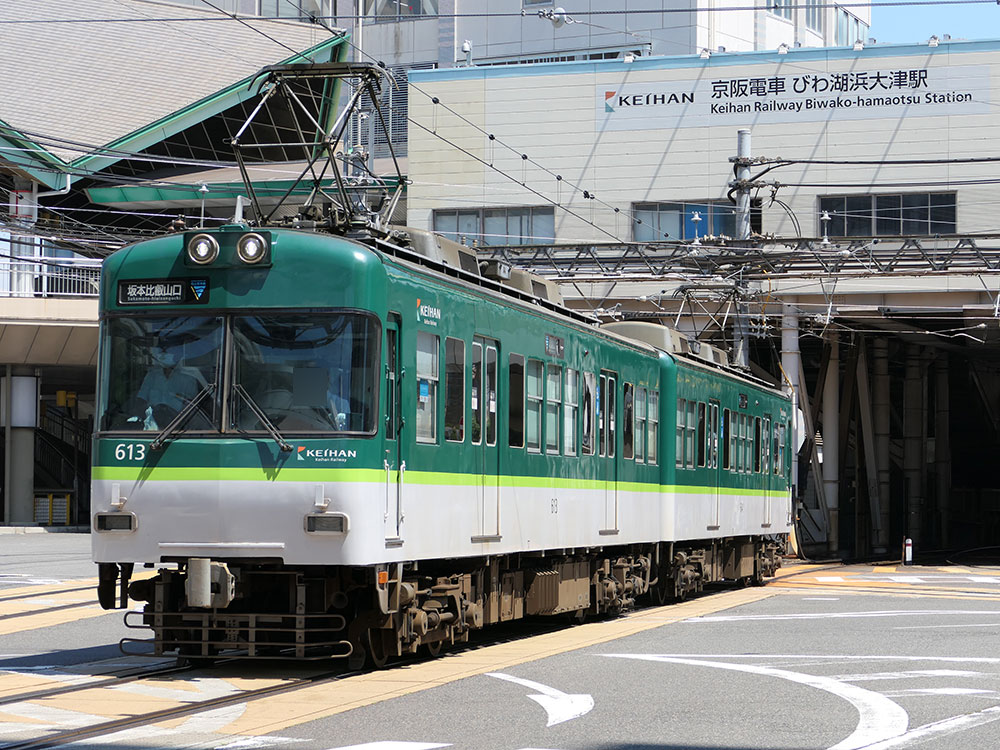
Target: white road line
{"points": [[940, 691], [879, 719], [393, 745], [255, 743], [821, 598], [558, 705], [207, 688], [10, 727], [845, 657], [214, 720], [60, 717], [873, 676], [829, 579], [938, 627], [844, 615], [940, 728]]}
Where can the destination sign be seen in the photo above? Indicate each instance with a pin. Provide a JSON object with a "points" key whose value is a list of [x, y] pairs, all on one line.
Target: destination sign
{"points": [[163, 292]]}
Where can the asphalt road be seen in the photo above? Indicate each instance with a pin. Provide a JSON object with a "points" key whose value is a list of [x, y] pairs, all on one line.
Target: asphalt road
{"points": [[832, 657]]}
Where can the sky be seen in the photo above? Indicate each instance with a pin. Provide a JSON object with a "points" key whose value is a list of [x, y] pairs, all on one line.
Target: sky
{"points": [[917, 23]]}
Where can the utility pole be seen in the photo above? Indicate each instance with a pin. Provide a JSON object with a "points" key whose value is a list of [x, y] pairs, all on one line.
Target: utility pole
{"points": [[741, 354]]}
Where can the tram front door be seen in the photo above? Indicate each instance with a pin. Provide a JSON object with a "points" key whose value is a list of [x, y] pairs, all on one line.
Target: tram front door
{"points": [[483, 405]]}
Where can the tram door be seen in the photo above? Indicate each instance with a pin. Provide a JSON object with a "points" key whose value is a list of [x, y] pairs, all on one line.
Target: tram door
{"points": [[607, 441], [394, 462], [483, 408], [712, 438]]}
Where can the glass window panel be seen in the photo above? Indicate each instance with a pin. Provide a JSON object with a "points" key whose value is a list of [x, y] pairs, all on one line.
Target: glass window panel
{"points": [[476, 396], [723, 220], [689, 438], [533, 406], [915, 213], [156, 366], [569, 414], [679, 438], [587, 429], [427, 377], [491, 395], [701, 434], [652, 422], [858, 210], [534, 379], [703, 226], [611, 417], [454, 405], [942, 213], [640, 424], [628, 424], [834, 208], [495, 227], [887, 215], [644, 224], [543, 226], [516, 421], [727, 431]]}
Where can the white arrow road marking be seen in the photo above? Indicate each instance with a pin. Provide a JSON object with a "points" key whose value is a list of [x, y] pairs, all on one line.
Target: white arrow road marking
{"points": [[940, 691], [940, 728], [880, 719], [871, 676], [558, 705]]}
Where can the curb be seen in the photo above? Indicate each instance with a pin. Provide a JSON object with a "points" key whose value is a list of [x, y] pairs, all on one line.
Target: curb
{"points": [[44, 530]]}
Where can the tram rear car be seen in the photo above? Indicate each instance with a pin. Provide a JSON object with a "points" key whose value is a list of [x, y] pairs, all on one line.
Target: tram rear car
{"points": [[329, 447]]}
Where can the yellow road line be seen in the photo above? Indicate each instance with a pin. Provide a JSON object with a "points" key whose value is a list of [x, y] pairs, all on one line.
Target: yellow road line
{"points": [[309, 704]]}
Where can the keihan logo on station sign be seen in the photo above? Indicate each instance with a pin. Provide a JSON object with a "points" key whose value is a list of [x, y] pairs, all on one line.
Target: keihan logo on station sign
{"points": [[613, 99]]}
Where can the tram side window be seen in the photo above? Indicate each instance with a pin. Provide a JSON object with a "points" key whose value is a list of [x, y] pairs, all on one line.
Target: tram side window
{"points": [[701, 434], [680, 431], [427, 387], [587, 437], [741, 436], [640, 424], [765, 444], [756, 445], [713, 436], [748, 445], [553, 398], [653, 424], [476, 396], [454, 390], [572, 398], [774, 453], [533, 406], [516, 423], [608, 414], [727, 439], [628, 449], [690, 442]]}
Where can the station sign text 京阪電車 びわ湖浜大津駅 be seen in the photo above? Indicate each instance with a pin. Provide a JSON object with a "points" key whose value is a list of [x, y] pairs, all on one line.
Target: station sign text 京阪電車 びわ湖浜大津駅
{"points": [[736, 97]]}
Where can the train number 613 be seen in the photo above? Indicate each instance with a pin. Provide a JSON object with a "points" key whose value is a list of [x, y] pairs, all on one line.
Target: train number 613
{"points": [[130, 451]]}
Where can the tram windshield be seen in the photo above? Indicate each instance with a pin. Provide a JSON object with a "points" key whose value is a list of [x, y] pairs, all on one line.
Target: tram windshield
{"points": [[155, 366], [307, 373]]}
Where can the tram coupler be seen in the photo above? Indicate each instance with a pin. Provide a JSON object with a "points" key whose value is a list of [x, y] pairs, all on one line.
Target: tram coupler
{"points": [[112, 584]]}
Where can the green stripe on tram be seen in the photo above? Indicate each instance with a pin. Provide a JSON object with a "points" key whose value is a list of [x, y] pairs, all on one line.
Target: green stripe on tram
{"points": [[414, 478]]}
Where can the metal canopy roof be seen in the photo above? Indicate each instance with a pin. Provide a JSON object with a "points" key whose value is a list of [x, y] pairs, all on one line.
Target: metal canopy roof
{"points": [[86, 78]]}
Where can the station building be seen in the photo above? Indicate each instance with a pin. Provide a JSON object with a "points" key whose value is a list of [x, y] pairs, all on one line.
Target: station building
{"points": [[633, 150]]}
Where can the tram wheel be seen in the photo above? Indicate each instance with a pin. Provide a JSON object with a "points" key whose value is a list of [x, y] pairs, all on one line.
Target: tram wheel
{"points": [[377, 654], [434, 648]]}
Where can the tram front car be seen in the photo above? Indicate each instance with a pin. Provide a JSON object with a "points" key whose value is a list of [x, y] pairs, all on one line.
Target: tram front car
{"points": [[238, 394]]}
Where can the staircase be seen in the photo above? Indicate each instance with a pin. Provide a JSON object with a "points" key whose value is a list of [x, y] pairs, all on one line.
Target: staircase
{"points": [[62, 468]]}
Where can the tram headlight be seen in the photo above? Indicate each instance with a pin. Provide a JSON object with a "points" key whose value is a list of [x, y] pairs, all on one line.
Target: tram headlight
{"points": [[203, 249], [252, 248]]}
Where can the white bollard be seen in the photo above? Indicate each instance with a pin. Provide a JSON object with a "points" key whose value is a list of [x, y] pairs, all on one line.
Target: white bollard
{"points": [[907, 551]]}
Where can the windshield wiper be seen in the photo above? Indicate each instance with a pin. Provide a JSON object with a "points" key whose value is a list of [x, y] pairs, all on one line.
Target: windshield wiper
{"points": [[181, 418], [284, 445]]}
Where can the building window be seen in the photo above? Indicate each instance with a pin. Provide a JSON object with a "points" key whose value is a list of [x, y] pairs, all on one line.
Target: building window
{"points": [[391, 10], [782, 8], [497, 226], [849, 29], [889, 215], [814, 15], [454, 390], [427, 385], [657, 222]]}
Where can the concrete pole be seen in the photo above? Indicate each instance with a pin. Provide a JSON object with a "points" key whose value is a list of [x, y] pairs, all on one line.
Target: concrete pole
{"points": [[791, 365], [942, 446], [913, 446], [880, 408], [8, 451], [741, 337], [831, 439]]}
